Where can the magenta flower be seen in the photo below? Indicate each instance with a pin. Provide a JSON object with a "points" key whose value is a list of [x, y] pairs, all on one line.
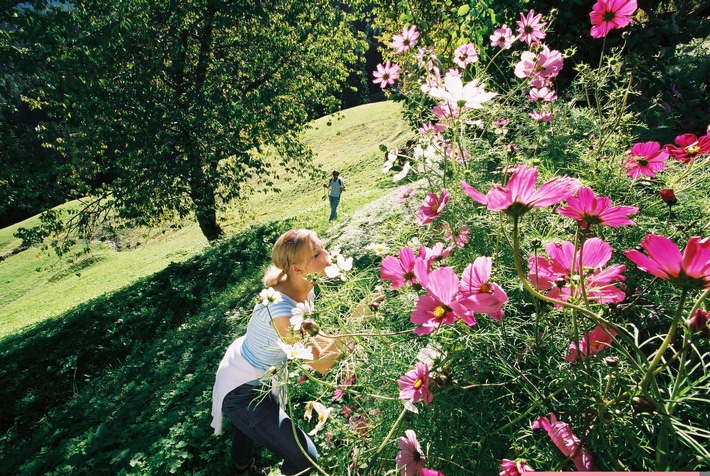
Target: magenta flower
{"points": [[589, 210], [502, 38], [542, 94], [403, 194], [520, 195], [442, 303], [432, 128], [485, 297], [386, 74], [592, 343], [399, 271], [465, 55], [530, 28], [410, 458], [687, 270], [414, 385], [406, 40], [431, 472], [562, 282], [544, 65], [434, 254], [432, 207], [561, 435], [514, 468], [688, 146], [699, 322], [645, 158], [609, 14], [425, 58]]}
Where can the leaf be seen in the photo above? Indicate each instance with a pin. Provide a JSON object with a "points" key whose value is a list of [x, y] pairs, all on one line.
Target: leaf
{"points": [[463, 10]]}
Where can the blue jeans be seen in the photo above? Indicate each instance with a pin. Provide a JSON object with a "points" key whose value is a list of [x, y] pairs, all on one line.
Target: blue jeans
{"points": [[259, 418], [334, 201]]}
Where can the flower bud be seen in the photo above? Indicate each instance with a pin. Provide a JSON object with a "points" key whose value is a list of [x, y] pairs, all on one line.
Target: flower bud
{"points": [[611, 361], [668, 196], [310, 327], [700, 322], [536, 243], [560, 282]]}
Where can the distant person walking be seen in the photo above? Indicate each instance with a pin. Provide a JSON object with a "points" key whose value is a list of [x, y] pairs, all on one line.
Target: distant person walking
{"points": [[336, 186]]}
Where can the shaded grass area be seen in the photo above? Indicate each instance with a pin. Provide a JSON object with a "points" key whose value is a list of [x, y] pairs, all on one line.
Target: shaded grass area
{"points": [[122, 384]]}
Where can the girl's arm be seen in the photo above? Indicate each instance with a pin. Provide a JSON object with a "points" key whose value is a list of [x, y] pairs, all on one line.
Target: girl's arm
{"points": [[326, 351]]}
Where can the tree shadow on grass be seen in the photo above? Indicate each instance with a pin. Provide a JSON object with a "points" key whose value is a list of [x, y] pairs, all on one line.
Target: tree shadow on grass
{"points": [[122, 384]]}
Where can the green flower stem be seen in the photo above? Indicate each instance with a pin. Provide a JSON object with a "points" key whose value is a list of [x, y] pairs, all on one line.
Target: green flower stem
{"points": [[535, 404], [386, 439], [667, 342], [295, 429]]}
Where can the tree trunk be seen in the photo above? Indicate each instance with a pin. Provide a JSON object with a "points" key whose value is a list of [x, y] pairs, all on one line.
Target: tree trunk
{"points": [[202, 192]]}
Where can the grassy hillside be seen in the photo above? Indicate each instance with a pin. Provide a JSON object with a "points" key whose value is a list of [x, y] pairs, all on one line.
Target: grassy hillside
{"points": [[37, 285]]}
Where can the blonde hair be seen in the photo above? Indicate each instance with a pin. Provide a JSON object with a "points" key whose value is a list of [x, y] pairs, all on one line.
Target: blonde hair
{"points": [[292, 247]]}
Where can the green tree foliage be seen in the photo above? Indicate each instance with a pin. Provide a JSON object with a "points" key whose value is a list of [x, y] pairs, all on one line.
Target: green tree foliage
{"points": [[178, 106]]}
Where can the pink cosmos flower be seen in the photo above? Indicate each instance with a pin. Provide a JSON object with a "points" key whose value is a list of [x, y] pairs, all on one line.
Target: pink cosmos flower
{"points": [[414, 385], [447, 111], [542, 116], [399, 271], [434, 128], [434, 254], [465, 55], [425, 58], [454, 73], [403, 194], [486, 297], [563, 281], [432, 207], [501, 123], [410, 457], [589, 210], [442, 303], [645, 158], [472, 95], [457, 239], [687, 270], [542, 94], [688, 146], [561, 435], [502, 37], [386, 74], [514, 468], [520, 195], [530, 28], [546, 64], [592, 343], [609, 14], [699, 322], [431, 472], [406, 40]]}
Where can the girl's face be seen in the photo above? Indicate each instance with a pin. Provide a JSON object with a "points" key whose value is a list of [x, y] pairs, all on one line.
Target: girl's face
{"points": [[318, 259]]}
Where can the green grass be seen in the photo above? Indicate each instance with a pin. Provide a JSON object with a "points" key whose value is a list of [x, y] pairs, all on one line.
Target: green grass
{"points": [[37, 286]]}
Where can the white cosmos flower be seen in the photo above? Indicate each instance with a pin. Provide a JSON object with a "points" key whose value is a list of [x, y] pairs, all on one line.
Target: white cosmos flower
{"points": [[296, 351], [380, 249], [340, 267], [323, 413], [299, 313], [471, 95], [428, 355], [269, 296], [402, 173]]}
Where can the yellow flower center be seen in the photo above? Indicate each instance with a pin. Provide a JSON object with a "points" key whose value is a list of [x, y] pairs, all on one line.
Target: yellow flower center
{"points": [[692, 149], [439, 312], [485, 288], [418, 383]]}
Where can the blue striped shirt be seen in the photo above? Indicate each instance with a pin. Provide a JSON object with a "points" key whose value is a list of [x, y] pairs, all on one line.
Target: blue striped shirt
{"points": [[260, 347]]}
